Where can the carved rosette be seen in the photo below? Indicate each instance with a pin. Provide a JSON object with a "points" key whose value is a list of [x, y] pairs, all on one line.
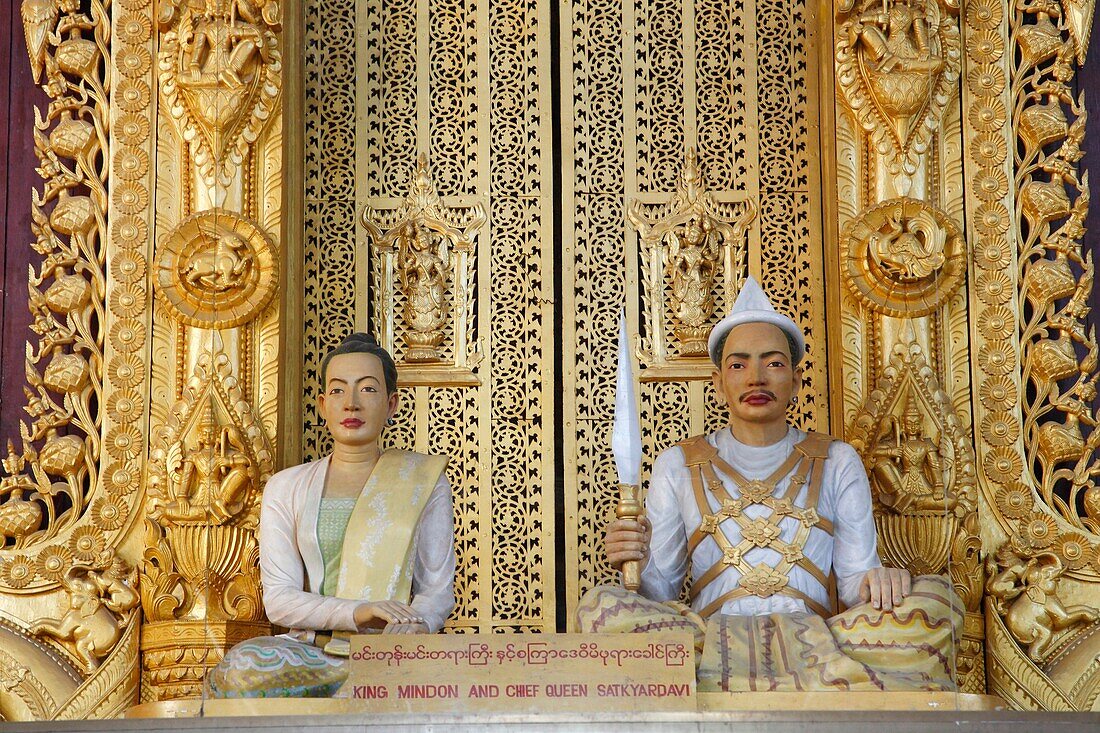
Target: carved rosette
{"points": [[694, 258], [216, 270], [424, 273], [905, 258]]}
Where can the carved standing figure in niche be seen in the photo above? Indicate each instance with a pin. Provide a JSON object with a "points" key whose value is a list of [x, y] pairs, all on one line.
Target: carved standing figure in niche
{"points": [[423, 263], [98, 599], [766, 518], [907, 469], [359, 541], [692, 263], [210, 479], [1026, 594]]}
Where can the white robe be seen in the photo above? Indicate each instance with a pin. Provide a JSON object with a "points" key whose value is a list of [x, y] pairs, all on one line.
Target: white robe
{"points": [[293, 571], [845, 500]]}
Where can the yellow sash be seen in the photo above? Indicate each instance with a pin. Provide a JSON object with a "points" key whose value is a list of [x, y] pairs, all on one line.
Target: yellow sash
{"points": [[376, 561]]}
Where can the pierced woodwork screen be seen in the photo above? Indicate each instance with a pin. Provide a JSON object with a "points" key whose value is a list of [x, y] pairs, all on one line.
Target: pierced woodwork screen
{"points": [[471, 90], [643, 83]]}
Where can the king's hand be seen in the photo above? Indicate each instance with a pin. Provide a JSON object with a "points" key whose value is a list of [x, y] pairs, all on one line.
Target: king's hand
{"points": [[885, 587], [626, 540]]}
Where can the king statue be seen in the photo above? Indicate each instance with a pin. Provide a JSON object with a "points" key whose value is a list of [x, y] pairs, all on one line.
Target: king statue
{"points": [[775, 527]]}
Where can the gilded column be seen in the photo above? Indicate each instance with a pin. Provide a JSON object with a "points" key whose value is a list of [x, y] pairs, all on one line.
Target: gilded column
{"points": [[1037, 369], [904, 312], [215, 331]]}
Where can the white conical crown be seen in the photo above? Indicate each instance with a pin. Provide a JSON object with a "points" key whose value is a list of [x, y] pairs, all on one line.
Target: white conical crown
{"points": [[753, 306]]}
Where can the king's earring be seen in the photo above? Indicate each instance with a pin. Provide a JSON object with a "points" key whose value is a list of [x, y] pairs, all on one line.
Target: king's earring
{"points": [[390, 422]]}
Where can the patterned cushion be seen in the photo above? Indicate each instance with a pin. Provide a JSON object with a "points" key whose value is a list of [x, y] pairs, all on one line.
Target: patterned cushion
{"points": [[276, 666]]}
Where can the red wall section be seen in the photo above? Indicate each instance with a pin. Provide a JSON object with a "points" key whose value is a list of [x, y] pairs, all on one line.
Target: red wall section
{"points": [[18, 96]]}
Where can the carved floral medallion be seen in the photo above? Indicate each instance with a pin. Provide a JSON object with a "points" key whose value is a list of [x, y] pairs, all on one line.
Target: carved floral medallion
{"points": [[216, 270]]}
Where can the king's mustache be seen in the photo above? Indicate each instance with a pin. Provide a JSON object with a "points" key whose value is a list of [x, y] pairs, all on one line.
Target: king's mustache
{"points": [[756, 392]]}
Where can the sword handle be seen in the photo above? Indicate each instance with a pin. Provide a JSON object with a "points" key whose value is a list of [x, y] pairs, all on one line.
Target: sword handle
{"points": [[630, 507]]}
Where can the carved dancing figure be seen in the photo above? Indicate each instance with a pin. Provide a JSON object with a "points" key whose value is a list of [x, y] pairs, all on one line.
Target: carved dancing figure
{"points": [[764, 515], [908, 470], [896, 37], [360, 541], [422, 264], [692, 263]]}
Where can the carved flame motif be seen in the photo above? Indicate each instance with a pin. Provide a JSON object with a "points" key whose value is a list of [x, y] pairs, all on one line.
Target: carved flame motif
{"points": [[897, 62], [220, 75]]}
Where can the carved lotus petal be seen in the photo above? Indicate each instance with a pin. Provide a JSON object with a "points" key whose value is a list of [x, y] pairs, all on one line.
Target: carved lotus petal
{"points": [[1053, 359], [18, 518], [60, 456], [72, 138], [74, 214], [66, 373], [1061, 442], [68, 293]]}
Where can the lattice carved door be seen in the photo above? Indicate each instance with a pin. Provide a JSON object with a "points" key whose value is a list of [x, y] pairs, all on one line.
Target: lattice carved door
{"points": [[471, 84]]}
